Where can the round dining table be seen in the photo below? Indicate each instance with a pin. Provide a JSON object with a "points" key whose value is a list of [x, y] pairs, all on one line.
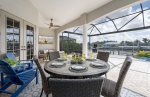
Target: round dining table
{"points": [[65, 71]]}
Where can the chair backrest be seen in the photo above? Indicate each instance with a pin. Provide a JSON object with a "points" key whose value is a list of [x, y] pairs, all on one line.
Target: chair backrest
{"points": [[43, 76], [76, 87], [54, 55], [122, 75], [11, 56], [103, 56], [10, 73]]}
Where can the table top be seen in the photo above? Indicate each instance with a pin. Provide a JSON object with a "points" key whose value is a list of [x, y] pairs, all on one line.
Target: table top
{"points": [[65, 71]]}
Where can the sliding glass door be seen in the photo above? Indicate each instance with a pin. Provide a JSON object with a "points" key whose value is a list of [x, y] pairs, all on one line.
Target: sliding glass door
{"points": [[20, 38], [30, 41]]}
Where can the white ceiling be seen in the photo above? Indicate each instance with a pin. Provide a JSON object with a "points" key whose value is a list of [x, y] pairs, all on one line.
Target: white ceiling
{"points": [[64, 11]]}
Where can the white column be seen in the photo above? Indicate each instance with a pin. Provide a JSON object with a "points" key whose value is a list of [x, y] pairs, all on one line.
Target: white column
{"points": [[57, 41], [85, 40], [85, 36], [3, 44], [36, 48]]}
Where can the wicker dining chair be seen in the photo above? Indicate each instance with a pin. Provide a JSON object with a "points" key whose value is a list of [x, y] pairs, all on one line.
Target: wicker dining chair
{"points": [[103, 56], [76, 87], [44, 78], [54, 55], [111, 88]]}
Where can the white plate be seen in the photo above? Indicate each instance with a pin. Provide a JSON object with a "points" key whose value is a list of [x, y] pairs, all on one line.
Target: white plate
{"points": [[77, 67]]}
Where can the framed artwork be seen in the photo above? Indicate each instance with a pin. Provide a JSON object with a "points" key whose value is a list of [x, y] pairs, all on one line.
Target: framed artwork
{"points": [[46, 40]]}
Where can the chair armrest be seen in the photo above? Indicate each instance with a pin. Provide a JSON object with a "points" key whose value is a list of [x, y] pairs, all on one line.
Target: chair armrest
{"points": [[30, 63], [2, 78], [27, 60], [31, 60], [26, 71]]}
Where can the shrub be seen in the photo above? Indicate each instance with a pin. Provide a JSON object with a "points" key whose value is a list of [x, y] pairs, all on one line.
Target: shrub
{"points": [[143, 54], [147, 54]]}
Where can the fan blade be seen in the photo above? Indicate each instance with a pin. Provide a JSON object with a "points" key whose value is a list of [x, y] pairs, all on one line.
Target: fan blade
{"points": [[56, 26], [46, 23], [49, 27]]}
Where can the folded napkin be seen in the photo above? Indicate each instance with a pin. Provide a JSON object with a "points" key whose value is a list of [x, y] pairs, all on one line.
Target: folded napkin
{"points": [[97, 64]]}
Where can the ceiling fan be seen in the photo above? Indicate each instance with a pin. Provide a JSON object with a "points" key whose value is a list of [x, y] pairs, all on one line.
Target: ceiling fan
{"points": [[51, 25]]}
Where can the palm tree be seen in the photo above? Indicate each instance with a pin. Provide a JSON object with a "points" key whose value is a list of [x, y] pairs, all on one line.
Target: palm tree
{"points": [[145, 40]]}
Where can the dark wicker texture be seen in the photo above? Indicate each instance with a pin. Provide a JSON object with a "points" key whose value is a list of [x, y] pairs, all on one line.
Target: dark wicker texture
{"points": [[90, 87], [45, 85], [54, 55], [103, 56], [111, 88]]}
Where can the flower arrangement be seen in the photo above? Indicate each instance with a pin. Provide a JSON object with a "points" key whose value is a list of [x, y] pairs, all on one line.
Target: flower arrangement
{"points": [[91, 55], [78, 58]]}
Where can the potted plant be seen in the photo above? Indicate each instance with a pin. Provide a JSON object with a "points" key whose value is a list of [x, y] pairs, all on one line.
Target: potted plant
{"points": [[10, 61], [77, 58]]}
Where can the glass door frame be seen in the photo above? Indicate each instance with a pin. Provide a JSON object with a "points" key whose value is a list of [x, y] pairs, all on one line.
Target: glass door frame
{"points": [[6, 15], [25, 38]]}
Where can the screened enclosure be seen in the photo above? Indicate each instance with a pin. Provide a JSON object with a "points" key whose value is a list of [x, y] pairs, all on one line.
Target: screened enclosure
{"points": [[71, 40], [124, 32]]}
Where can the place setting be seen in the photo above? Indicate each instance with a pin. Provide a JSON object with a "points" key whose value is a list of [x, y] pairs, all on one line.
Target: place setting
{"points": [[78, 68], [57, 64], [99, 65], [61, 59]]}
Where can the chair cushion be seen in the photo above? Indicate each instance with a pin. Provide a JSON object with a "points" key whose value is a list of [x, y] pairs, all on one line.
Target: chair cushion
{"points": [[108, 88]]}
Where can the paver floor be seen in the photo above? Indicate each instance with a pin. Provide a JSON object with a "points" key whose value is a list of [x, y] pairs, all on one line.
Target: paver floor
{"points": [[138, 77]]}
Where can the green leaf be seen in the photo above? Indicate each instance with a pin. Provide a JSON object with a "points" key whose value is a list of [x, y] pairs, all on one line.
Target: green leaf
{"points": [[10, 61]]}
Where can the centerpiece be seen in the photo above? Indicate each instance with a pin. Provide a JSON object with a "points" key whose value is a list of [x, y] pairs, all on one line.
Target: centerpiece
{"points": [[77, 58]]}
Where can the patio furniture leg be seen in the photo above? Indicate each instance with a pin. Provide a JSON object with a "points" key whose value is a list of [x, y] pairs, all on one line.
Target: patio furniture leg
{"points": [[37, 81], [106, 75], [41, 92], [47, 95], [2, 79]]}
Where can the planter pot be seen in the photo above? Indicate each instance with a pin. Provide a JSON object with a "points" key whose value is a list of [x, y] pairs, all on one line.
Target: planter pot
{"points": [[80, 62], [73, 62]]}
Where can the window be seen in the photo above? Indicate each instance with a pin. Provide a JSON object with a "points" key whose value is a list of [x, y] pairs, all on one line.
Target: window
{"points": [[30, 41], [13, 36]]}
